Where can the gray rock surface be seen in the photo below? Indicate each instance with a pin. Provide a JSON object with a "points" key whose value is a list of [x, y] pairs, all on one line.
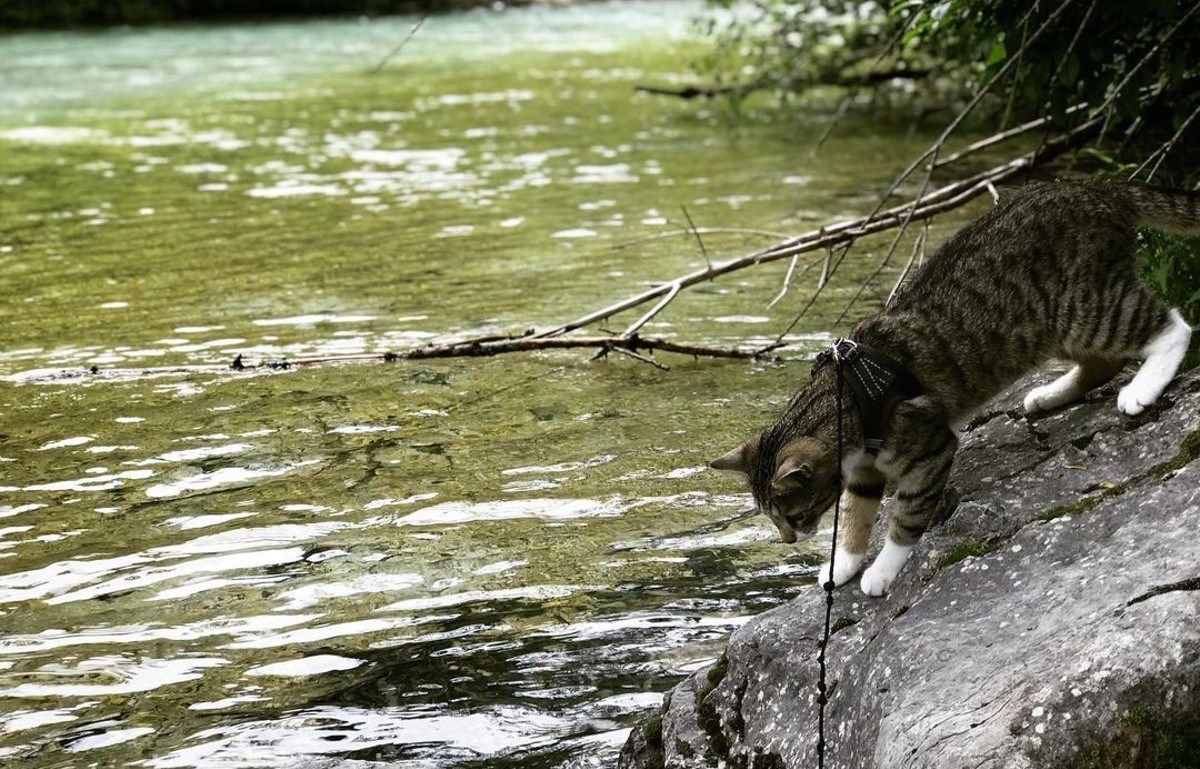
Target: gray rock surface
{"points": [[1052, 620]]}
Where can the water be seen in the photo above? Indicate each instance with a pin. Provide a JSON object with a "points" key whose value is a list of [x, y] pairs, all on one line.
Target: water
{"points": [[498, 562]]}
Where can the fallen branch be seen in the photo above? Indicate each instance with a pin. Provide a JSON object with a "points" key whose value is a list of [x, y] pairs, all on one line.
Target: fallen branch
{"points": [[707, 92], [629, 344], [938, 201], [868, 80]]}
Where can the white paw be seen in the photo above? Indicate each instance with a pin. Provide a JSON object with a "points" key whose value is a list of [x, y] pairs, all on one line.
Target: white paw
{"points": [[1133, 400], [845, 566], [878, 578], [1058, 393], [876, 581], [1038, 399]]}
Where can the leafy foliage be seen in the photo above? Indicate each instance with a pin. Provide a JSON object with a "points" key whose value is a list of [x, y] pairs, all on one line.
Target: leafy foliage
{"points": [[1044, 56], [1135, 64], [795, 45], [1172, 266]]}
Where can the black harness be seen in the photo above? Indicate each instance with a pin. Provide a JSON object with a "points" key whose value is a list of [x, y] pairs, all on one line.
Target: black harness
{"points": [[877, 382]]}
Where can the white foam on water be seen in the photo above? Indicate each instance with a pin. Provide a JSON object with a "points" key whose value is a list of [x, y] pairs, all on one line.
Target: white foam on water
{"points": [[222, 477], [127, 676], [306, 666]]}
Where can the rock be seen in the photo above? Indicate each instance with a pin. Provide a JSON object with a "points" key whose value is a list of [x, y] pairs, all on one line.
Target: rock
{"points": [[1053, 620]]}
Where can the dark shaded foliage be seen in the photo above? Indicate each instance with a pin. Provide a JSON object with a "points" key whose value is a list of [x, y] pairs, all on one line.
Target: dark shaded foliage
{"points": [[18, 14]]}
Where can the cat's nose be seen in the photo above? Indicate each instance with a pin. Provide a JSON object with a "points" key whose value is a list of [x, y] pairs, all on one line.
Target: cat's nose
{"points": [[786, 532]]}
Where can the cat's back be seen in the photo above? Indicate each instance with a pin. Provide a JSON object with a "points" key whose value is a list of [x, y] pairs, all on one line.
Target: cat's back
{"points": [[1036, 237]]}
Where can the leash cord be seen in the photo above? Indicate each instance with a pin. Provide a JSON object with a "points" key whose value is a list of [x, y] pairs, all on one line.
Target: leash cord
{"points": [[822, 689]]}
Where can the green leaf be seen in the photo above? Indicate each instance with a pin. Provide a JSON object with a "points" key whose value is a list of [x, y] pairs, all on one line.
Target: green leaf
{"points": [[997, 54], [1070, 70]]}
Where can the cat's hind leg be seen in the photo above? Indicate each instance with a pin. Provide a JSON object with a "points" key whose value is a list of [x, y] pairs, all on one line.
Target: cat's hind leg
{"points": [[1162, 356], [860, 504], [1089, 373]]}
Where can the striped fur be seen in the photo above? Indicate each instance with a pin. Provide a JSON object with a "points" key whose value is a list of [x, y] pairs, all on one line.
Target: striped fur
{"points": [[1047, 273]]}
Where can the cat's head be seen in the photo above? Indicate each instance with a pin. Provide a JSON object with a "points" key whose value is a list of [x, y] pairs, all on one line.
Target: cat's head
{"points": [[793, 484]]}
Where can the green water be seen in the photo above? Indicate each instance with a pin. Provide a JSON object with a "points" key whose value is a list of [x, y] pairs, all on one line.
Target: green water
{"points": [[498, 562]]}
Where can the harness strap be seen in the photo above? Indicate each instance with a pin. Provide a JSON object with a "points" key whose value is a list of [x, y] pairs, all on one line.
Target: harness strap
{"points": [[878, 383]]}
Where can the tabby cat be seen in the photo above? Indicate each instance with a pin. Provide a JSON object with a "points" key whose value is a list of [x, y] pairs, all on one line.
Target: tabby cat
{"points": [[1047, 273]]}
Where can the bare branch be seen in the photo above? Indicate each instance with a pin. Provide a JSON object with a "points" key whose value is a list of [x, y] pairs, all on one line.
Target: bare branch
{"points": [[1000, 137], [699, 240], [1165, 149], [383, 62], [918, 248], [639, 357], [655, 310]]}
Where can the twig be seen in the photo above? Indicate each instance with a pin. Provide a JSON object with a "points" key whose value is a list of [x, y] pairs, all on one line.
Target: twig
{"points": [[984, 90], [1165, 149], [849, 98], [470, 348], [655, 310], [699, 240], [787, 282], [842, 108], [872, 78], [639, 357], [707, 92], [954, 195], [825, 268], [632, 343], [398, 48], [1000, 137], [918, 248]]}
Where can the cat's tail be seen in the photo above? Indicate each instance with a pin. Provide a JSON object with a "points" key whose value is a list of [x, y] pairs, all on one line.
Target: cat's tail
{"points": [[1169, 210]]}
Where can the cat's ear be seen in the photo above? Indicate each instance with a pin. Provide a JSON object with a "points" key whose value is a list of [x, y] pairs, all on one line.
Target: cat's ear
{"points": [[797, 460], [793, 471], [735, 462]]}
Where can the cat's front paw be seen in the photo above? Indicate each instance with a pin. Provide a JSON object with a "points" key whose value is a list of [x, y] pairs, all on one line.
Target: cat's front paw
{"points": [[876, 581], [1040, 399], [845, 566], [879, 576], [1133, 400]]}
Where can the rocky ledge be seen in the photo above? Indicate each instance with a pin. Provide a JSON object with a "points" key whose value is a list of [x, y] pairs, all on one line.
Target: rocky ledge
{"points": [[1051, 620]]}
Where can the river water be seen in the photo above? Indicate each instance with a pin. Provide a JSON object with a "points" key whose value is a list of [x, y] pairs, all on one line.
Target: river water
{"points": [[498, 562]]}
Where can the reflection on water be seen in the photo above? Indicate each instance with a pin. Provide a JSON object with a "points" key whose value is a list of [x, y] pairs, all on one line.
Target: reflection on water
{"points": [[466, 563]]}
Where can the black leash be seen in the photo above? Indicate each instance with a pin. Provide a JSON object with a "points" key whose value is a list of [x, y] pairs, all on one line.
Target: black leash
{"points": [[822, 689], [878, 383]]}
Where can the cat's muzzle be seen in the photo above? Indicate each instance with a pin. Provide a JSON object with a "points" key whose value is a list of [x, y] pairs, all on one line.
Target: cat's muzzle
{"points": [[787, 532]]}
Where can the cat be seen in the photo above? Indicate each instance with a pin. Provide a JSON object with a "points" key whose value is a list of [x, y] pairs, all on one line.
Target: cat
{"points": [[1046, 273]]}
